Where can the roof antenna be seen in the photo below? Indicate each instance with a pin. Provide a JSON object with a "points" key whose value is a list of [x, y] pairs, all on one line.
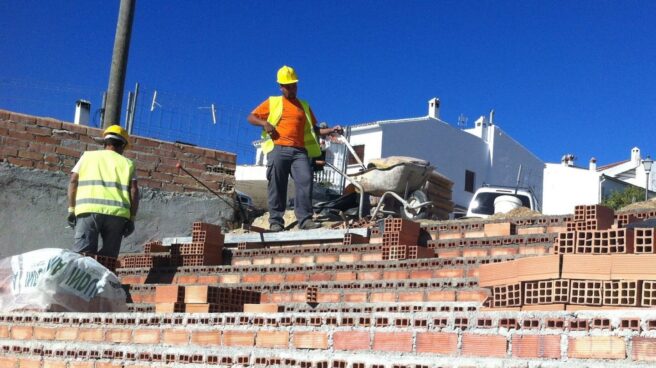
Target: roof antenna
{"points": [[154, 103], [462, 121], [212, 108]]}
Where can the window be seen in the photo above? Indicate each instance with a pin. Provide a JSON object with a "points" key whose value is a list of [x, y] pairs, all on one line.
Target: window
{"points": [[470, 179], [359, 150]]}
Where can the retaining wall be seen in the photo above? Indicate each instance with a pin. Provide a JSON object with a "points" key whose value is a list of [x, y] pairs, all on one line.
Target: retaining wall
{"points": [[37, 154]]}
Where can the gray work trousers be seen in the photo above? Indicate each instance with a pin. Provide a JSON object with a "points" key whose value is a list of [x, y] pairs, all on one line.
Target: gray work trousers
{"points": [[90, 226], [281, 162]]}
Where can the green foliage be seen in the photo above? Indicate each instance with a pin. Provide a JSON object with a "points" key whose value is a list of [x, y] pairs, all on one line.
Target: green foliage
{"points": [[619, 199]]}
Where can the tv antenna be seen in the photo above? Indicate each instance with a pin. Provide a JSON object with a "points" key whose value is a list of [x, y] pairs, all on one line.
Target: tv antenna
{"points": [[462, 121], [212, 108], [154, 103]]}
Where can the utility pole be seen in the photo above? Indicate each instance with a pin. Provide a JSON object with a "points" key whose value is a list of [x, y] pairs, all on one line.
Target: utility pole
{"points": [[119, 63]]}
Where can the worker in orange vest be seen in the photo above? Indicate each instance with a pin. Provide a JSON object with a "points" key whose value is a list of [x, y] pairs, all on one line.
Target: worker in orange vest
{"points": [[289, 139]]}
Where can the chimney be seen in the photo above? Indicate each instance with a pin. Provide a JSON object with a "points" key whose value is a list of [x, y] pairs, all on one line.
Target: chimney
{"points": [[434, 108], [635, 155], [593, 164], [568, 159], [82, 112]]}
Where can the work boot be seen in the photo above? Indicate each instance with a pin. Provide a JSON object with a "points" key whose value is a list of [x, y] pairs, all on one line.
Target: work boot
{"points": [[275, 228], [309, 225]]}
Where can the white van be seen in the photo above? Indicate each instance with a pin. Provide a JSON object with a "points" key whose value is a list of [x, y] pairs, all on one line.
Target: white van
{"points": [[482, 203]]}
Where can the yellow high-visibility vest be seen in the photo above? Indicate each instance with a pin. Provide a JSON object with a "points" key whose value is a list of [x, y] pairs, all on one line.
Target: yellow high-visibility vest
{"points": [[309, 137], [104, 184]]}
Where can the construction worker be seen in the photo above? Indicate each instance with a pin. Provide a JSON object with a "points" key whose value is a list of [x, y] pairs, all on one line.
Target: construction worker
{"points": [[290, 141], [103, 196]]}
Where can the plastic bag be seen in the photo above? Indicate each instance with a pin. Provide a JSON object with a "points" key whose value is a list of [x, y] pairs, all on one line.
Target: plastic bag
{"points": [[58, 280]]}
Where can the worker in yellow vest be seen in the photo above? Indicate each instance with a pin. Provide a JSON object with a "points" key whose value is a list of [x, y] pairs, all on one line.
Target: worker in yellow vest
{"points": [[289, 139], [103, 196]]}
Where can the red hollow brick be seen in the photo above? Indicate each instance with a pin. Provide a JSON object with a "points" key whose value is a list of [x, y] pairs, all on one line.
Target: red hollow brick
{"points": [[91, 334], [118, 335], [146, 336], [21, 332], [393, 341], [206, 337], [437, 343], [238, 338], [536, 346], [175, 337], [597, 347], [351, 340], [644, 348], [272, 339], [310, 340], [484, 345], [29, 363]]}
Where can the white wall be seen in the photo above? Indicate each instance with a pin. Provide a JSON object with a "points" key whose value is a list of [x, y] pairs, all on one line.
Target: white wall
{"points": [[250, 172], [372, 139], [507, 156], [450, 150], [568, 186]]}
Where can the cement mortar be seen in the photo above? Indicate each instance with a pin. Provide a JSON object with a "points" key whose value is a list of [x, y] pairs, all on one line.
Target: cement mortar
{"points": [[34, 208]]}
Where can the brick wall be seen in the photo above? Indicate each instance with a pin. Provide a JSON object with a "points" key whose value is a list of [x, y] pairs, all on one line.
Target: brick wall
{"points": [[50, 144], [613, 338]]}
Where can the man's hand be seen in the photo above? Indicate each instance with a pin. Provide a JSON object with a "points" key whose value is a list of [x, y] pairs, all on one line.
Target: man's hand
{"points": [[270, 130], [128, 229], [71, 219], [331, 131]]}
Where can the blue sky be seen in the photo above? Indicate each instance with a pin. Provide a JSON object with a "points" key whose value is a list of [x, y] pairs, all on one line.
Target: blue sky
{"points": [[562, 76]]}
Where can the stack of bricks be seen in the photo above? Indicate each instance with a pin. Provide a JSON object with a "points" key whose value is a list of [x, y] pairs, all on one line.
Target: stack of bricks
{"points": [[575, 281], [206, 249], [400, 238], [109, 263], [202, 299]]}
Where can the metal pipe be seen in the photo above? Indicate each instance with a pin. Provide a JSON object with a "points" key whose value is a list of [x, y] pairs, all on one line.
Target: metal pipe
{"points": [[356, 184], [241, 209]]}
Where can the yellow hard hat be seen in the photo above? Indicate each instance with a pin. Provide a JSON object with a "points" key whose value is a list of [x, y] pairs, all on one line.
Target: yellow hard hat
{"points": [[117, 132], [287, 75]]}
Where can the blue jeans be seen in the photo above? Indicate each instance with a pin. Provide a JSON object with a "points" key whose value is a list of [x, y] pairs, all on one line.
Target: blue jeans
{"points": [[283, 161]]}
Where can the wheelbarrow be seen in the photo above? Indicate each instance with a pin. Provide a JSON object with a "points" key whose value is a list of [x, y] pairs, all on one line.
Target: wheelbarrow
{"points": [[397, 180]]}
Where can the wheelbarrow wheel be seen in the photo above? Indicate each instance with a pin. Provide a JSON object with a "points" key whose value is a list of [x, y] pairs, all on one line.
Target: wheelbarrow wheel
{"points": [[416, 197]]}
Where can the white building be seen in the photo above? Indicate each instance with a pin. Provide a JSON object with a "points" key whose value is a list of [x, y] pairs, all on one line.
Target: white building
{"points": [[484, 154], [566, 185]]}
